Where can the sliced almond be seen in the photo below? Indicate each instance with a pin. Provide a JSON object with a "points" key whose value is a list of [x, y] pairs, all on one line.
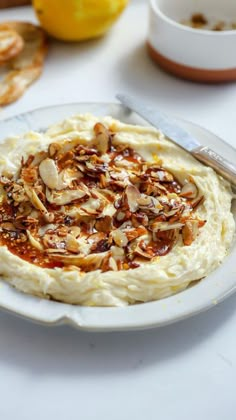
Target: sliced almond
{"points": [[117, 252], [87, 262], [54, 148], [102, 137], [163, 226], [195, 203], [49, 173], [135, 233], [71, 244], [8, 226], [190, 232], [92, 206], [34, 242], [64, 197], [145, 201], [141, 253], [43, 229], [66, 178], [189, 190], [112, 264], [37, 203], [132, 195], [119, 238], [75, 231], [120, 216]]}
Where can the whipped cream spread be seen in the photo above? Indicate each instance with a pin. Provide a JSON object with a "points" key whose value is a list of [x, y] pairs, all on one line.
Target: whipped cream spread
{"points": [[100, 213]]}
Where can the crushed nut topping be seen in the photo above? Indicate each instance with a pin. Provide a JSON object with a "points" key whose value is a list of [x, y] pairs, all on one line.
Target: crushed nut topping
{"points": [[99, 206], [200, 21]]}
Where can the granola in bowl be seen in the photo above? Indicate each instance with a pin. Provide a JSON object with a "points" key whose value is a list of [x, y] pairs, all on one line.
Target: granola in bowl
{"points": [[100, 213]]}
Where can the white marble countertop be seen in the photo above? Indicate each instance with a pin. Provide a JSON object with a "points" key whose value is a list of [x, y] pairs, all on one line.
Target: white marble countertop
{"points": [[179, 372]]}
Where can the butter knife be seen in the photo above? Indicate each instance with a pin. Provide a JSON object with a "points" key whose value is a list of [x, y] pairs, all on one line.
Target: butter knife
{"points": [[181, 137]]}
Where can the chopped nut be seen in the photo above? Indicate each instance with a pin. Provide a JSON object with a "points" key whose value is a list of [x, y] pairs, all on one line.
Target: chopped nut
{"points": [[29, 175], [199, 18]]}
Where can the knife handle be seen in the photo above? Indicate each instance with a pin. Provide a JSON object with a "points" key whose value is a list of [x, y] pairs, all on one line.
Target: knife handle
{"points": [[218, 163]]}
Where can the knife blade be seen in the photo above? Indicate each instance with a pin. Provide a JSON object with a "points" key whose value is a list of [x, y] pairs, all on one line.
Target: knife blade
{"points": [[178, 135]]}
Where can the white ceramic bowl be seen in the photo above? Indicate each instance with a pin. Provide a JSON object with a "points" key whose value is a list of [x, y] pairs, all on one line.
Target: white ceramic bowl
{"points": [[196, 54]]}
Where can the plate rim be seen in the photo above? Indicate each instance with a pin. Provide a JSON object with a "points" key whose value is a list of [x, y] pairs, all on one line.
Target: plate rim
{"points": [[76, 315]]}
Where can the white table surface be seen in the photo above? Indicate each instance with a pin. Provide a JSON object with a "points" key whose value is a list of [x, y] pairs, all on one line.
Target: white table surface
{"points": [[180, 372]]}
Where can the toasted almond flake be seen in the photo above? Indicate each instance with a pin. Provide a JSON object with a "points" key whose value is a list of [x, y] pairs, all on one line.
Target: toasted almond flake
{"points": [[163, 226], [112, 264], [197, 201], [120, 176], [92, 206], [109, 210], [132, 195], [54, 148], [36, 244], [145, 201], [141, 253], [135, 233], [55, 251], [49, 173], [102, 137], [75, 231], [190, 231], [8, 226], [64, 197], [37, 203], [189, 190], [71, 244], [117, 252], [174, 211], [120, 216], [43, 229], [104, 224], [119, 238], [66, 177], [86, 262]]}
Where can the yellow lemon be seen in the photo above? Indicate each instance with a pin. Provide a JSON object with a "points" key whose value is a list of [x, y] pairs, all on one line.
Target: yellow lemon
{"points": [[74, 20]]}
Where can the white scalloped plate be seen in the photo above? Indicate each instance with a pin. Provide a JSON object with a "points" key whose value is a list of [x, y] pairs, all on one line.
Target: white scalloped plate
{"points": [[203, 295]]}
